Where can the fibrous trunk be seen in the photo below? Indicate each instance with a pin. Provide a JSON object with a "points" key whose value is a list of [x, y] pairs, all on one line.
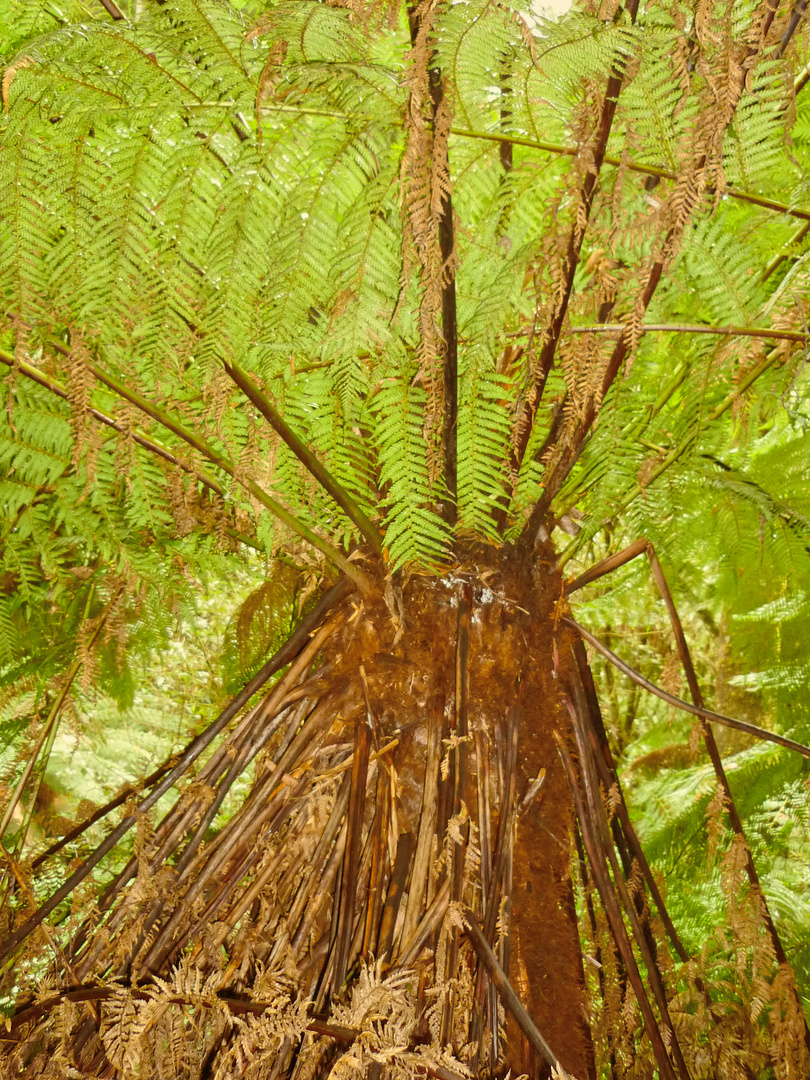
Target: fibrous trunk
{"points": [[407, 778]]}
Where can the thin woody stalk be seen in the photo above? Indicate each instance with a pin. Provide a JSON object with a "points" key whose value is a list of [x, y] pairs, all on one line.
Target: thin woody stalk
{"points": [[640, 422], [55, 387], [606, 566], [621, 350], [489, 962], [152, 445], [450, 366], [551, 148], [203, 447], [708, 736], [419, 34], [309, 460], [720, 772], [676, 452], [56, 708], [796, 16], [678, 703], [531, 403], [102, 812], [586, 816], [113, 10], [642, 938], [449, 332], [285, 654], [633, 166], [603, 756], [763, 332], [566, 151]]}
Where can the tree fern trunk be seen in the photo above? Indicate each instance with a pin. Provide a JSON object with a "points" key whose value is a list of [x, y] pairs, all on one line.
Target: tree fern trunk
{"points": [[397, 787]]}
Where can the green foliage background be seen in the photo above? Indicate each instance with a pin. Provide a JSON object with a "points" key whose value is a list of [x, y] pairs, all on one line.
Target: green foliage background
{"points": [[273, 236]]}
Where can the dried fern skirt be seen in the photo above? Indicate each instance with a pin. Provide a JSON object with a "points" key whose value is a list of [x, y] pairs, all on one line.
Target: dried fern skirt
{"points": [[395, 895]]}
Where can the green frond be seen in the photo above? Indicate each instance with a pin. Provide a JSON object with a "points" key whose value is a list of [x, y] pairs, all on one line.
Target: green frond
{"points": [[414, 531], [483, 442]]}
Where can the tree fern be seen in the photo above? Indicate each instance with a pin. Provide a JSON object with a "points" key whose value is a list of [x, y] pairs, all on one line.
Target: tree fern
{"points": [[418, 296]]}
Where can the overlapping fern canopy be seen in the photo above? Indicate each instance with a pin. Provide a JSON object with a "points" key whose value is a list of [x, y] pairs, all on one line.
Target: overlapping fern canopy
{"points": [[200, 195], [197, 189]]}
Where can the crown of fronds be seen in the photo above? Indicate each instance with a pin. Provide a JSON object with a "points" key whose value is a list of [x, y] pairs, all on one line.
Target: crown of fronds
{"points": [[194, 192]]}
